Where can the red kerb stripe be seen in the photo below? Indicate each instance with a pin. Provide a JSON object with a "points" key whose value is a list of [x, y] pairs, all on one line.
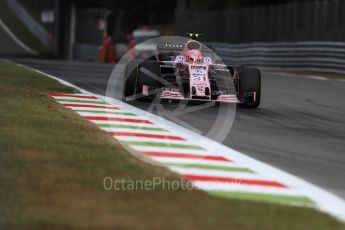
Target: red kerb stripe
{"points": [[158, 136], [90, 106], [234, 180], [95, 118], [71, 95]]}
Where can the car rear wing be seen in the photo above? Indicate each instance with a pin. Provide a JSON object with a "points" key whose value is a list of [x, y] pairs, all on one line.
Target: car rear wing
{"points": [[166, 46]]}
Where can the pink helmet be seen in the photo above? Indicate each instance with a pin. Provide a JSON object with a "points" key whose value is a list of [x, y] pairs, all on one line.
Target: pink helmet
{"points": [[194, 56]]}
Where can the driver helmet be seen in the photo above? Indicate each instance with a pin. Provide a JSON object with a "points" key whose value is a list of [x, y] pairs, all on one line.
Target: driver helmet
{"points": [[194, 56]]}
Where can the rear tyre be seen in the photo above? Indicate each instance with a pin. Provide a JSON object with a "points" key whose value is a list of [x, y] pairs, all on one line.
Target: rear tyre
{"points": [[147, 72], [137, 74], [250, 85], [131, 74]]}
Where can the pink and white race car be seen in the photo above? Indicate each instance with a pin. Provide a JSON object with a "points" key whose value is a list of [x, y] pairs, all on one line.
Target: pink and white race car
{"points": [[191, 72]]}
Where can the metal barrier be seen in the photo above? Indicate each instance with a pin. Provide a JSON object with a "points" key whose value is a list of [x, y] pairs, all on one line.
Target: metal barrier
{"points": [[90, 52], [312, 56], [86, 52], [33, 26]]}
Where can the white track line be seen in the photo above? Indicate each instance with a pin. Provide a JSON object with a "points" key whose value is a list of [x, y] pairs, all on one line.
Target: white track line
{"points": [[182, 151], [170, 160], [217, 173], [211, 186], [318, 78]]}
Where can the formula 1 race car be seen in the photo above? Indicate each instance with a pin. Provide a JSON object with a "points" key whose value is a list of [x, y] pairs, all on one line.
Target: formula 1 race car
{"points": [[191, 71]]}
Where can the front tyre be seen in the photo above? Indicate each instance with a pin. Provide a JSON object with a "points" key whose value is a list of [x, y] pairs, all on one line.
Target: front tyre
{"points": [[250, 87]]}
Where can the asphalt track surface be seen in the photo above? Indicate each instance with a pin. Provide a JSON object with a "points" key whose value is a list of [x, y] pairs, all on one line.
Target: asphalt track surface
{"points": [[299, 127]]}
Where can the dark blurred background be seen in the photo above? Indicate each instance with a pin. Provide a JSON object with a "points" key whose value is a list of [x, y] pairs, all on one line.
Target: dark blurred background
{"points": [[74, 29]]}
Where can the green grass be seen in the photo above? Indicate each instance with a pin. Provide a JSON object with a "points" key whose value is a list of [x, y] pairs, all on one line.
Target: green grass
{"points": [[20, 30], [52, 166]]}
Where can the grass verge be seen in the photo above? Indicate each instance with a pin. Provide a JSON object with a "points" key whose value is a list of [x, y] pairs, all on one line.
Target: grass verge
{"points": [[53, 163]]}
